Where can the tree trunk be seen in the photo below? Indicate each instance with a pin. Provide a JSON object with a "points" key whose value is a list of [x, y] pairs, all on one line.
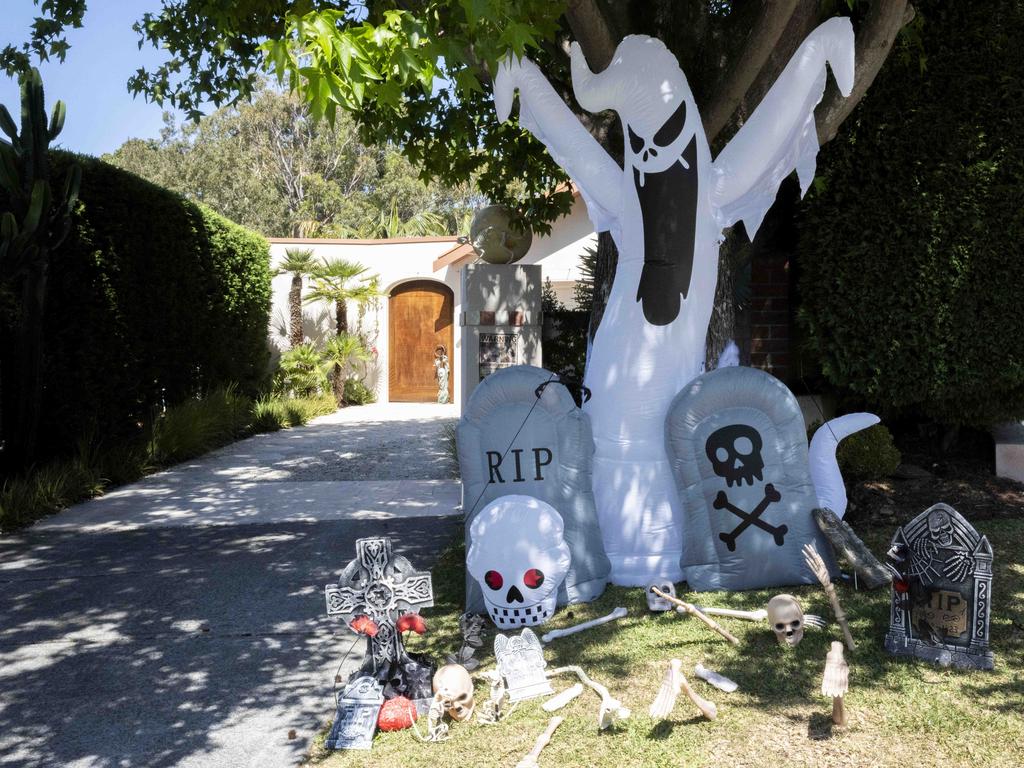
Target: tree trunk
{"points": [[604, 274], [295, 334], [722, 328], [341, 317], [338, 385]]}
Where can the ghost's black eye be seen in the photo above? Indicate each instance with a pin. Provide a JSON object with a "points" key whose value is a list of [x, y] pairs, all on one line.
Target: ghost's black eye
{"points": [[635, 141], [670, 131]]}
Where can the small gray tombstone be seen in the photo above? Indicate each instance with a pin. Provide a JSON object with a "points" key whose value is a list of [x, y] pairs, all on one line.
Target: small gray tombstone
{"points": [[522, 434], [941, 599], [520, 660], [356, 718]]}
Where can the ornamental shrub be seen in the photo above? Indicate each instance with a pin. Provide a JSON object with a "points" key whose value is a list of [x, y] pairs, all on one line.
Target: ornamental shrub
{"points": [[870, 454], [912, 274], [152, 301]]}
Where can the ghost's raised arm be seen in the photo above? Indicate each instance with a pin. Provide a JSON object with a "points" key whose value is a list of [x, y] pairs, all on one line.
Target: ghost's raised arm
{"points": [[545, 115], [780, 135]]}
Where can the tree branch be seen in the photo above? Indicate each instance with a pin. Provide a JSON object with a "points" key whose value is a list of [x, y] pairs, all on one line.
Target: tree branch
{"points": [[593, 31], [877, 34], [764, 34]]}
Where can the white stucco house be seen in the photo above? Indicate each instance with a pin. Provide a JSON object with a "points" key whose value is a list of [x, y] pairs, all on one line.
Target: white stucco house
{"points": [[421, 303]]}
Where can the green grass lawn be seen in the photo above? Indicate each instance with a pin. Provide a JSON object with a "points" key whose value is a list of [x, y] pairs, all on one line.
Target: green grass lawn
{"points": [[901, 712]]}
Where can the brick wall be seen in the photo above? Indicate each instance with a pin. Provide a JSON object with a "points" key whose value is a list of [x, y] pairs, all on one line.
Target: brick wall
{"points": [[770, 316]]}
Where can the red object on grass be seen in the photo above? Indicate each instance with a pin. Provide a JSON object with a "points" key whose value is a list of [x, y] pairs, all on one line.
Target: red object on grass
{"points": [[396, 714], [412, 621], [364, 625]]}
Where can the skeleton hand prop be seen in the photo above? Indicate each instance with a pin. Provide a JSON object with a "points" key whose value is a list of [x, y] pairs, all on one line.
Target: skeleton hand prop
{"points": [[490, 712], [721, 682], [835, 681], [691, 609], [670, 686], [817, 567], [558, 701], [611, 711], [530, 761], [554, 634]]}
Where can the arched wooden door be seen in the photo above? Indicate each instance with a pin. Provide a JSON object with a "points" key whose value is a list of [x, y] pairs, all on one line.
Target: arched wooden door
{"points": [[420, 319]]}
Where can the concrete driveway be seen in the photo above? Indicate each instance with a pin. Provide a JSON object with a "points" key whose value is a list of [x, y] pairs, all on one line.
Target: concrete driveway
{"points": [[180, 621]]}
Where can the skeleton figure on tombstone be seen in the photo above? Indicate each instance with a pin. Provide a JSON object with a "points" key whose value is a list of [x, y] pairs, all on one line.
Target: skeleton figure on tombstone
{"points": [[378, 595]]}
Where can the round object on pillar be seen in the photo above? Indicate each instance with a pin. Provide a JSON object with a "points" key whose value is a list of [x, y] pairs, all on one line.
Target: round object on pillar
{"points": [[494, 237]]}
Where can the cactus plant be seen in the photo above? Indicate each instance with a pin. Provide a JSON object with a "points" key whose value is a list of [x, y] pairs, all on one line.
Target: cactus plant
{"points": [[34, 223]]}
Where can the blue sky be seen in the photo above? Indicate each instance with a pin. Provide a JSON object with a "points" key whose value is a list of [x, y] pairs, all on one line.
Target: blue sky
{"points": [[102, 114]]}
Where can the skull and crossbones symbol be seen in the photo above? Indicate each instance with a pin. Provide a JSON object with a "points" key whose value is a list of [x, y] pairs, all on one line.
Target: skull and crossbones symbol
{"points": [[735, 455]]}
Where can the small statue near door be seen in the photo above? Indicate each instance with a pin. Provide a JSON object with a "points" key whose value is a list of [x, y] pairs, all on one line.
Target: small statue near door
{"points": [[441, 372]]}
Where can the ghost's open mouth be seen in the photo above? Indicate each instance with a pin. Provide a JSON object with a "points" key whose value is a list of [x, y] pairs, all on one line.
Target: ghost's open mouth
{"points": [[668, 202]]}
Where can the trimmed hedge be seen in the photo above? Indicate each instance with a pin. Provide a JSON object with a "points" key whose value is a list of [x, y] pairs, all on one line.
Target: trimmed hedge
{"points": [[912, 275], [152, 300]]}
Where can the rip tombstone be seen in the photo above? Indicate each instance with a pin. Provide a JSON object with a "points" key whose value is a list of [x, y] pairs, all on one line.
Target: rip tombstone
{"points": [[941, 596]]}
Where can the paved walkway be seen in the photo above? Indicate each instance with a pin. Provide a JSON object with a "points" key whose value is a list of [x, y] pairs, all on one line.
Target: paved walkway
{"points": [[180, 621]]}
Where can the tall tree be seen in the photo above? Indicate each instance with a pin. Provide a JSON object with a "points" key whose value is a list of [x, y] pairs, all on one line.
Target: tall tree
{"points": [[419, 73], [298, 262], [341, 281]]}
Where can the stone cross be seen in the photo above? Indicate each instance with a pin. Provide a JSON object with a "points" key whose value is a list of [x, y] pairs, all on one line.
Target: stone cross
{"points": [[382, 586]]}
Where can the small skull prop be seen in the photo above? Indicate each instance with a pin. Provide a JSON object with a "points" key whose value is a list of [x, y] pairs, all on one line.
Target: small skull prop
{"points": [[453, 688], [519, 556], [786, 618], [735, 454]]}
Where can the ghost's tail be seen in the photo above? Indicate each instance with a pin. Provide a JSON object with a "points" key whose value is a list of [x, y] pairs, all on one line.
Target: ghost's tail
{"points": [[825, 474]]}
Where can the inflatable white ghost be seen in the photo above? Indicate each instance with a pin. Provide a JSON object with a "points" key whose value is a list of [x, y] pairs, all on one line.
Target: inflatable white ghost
{"points": [[665, 209]]}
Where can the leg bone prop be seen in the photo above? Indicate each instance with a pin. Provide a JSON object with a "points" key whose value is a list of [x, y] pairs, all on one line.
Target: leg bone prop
{"points": [[691, 609], [530, 761], [721, 682], [817, 567], [554, 634], [836, 681], [559, 700], [611, 710]]}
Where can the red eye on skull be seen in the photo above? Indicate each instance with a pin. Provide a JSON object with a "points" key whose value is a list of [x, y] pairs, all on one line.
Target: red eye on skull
{"points": [[533, 578], [493, 580]]}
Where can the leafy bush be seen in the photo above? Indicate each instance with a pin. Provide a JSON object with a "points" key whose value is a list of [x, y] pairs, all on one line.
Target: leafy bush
{"points": [[197, 426], [869, 454], [152, 299], [357, 393], [302, 372], [910, 250]]}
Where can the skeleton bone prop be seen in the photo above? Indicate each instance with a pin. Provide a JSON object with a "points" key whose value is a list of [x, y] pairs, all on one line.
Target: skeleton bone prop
{"points": [[559, 700], [437, 728], [530, 761], [691, 609], [665, 208], [454, 688], [817, 567], [491, 712], [554, 634], [721, 682], [665, 701], [836, 681], [612, 711]]}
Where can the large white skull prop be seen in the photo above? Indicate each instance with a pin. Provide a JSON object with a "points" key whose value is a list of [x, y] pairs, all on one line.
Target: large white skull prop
{"points": [[519, 556], [786, 618], [453, 687]]}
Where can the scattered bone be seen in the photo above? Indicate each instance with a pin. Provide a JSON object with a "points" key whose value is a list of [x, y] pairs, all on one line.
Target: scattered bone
{"points": [[721, 682], [670, 686], [612, 711], [492, 711], [530, 761], [554, 634], [817, 567], [810, 619], [559, 700], [691, 609], [836, 681]]}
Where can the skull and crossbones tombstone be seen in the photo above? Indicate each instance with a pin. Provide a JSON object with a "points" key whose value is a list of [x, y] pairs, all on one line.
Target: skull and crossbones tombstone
{"points": [[740, 458], [383, 586]]}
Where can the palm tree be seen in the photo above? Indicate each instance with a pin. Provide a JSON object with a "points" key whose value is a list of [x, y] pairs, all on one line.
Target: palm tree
{"points": [[342, 352], [341, 281], [298, 262], [390, 224]]}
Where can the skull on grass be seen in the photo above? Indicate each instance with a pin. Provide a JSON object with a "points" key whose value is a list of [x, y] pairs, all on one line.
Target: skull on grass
{"points": [[735, 454], [786, 618], [519, 556], [453, 688]]}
